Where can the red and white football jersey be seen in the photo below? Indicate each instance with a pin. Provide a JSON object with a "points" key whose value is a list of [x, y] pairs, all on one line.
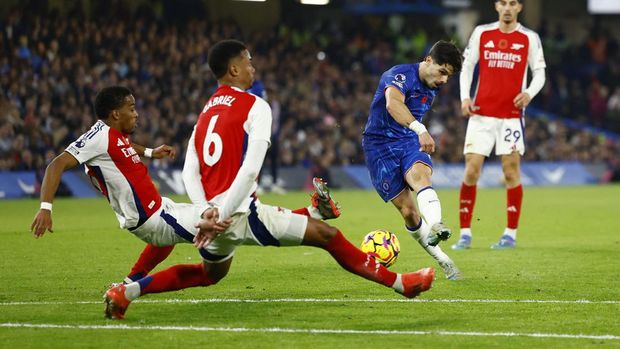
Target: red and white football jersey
{"points": [[116, 170], [503, 60], [217, 147]]}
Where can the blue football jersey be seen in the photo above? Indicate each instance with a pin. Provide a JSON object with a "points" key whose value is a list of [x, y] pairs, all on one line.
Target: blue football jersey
{"points": [[418, 98]]}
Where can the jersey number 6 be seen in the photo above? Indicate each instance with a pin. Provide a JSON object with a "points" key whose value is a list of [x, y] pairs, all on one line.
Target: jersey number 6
{"points": [[215, 139]]}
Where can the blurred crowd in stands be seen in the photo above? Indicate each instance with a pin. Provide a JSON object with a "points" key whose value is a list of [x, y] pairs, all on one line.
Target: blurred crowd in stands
{"points": [[319, 79]]}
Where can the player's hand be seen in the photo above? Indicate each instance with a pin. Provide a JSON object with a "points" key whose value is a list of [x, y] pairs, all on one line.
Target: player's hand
{"points": [[468, 108], [164, 151], [427, 144], [522, 100], [209, 227], [42, 222]]}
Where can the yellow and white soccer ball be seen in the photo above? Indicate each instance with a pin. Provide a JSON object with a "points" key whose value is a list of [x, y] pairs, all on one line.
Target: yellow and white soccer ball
{"points": [[382, 245]]}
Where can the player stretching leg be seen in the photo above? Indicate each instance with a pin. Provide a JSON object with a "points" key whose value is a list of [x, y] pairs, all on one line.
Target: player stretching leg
{"points": [[503, 51], [397, 146], [224, 155], [322, 206]]}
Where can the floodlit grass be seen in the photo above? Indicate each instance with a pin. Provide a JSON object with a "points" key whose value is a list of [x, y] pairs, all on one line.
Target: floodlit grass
{"points": [[568, 249]]}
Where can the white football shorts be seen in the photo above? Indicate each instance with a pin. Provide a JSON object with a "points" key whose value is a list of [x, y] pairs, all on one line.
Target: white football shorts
{"points": [[173, 223], [262, 225], [484, 132]]}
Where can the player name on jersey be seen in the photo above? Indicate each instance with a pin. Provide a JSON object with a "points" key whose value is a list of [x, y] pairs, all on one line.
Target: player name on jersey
{"points": [[226, 100]]}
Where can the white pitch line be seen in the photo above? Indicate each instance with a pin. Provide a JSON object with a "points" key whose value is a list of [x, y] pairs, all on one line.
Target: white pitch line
{"points": [[325, 300], [310, 330]]}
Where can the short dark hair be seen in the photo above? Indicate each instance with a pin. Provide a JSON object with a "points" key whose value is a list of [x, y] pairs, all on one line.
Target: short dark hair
{"points": [[444, 52], [221, 53], [109, 99]]}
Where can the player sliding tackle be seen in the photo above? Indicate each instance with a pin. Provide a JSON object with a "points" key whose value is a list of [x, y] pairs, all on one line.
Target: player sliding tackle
{"points": [[114, 164], [225, 153], [322, 206]]}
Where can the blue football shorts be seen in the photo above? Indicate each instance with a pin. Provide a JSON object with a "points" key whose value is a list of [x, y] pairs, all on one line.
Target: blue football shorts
{"points": [[388, 162]]}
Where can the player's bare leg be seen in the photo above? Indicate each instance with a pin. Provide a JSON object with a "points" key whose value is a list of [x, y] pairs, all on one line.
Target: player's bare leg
{"points": [[467, 198], [320, 234], [511, 165]]}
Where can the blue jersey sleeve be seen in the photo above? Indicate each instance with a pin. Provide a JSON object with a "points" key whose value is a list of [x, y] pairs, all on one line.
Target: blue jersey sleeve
{"points": [[400, 78]]}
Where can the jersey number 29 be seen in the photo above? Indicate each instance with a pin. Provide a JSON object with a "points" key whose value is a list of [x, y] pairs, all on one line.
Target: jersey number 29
{"points": [[516, 134], [215, 139]]}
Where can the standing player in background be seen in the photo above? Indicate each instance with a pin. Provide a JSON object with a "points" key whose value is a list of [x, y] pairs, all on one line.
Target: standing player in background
{"points": [[397, 145], [503, 51], [225, 153]]}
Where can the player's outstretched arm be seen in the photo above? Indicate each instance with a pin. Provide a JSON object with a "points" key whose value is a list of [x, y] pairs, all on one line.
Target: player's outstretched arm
{"points": [[160, 152], [163, 151], [43, 220]]}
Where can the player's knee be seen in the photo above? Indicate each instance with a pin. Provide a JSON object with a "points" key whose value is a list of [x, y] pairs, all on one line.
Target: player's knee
{"points": [[320, 235], [472, 174], [511, 175], [421, 179], [216, 277], [327, 232], [213, 273], [209, 280]]}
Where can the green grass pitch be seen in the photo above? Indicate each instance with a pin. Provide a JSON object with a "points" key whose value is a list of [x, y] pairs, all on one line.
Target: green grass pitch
{"points": [[559, 288]]}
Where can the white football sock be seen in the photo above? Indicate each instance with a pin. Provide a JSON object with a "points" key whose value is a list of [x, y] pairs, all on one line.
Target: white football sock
{"points": [[416, 234], [437, 253], [429, 205], [314, 212], [511, 232], [132, 291], [466, 232], [398, 284], [421, 236]]}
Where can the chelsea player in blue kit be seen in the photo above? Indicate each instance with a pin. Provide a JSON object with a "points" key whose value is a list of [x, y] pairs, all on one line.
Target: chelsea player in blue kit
{"points": [[397, 145]]}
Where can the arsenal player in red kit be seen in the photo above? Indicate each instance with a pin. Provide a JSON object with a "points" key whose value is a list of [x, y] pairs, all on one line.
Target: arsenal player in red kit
{"points": [[503, 51], [225, 153]]}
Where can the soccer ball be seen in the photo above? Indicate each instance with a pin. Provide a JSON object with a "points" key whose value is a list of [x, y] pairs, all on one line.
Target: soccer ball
{"points": [[382, 245]]}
